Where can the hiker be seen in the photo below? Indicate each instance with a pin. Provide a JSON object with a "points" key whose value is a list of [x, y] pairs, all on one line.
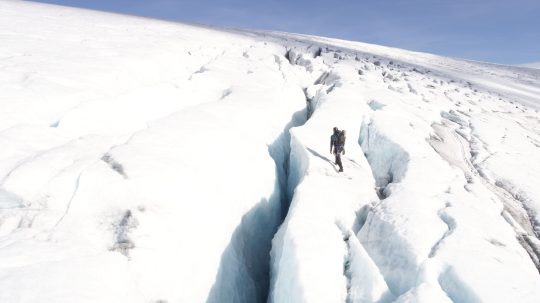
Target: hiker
{"points": [[337, 146]]}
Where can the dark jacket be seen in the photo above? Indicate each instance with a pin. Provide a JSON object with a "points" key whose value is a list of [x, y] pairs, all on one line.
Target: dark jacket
{"points": [[334, 140]]}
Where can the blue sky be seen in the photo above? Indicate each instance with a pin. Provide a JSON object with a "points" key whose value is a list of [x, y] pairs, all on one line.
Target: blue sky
{"points": [[500, 31]]}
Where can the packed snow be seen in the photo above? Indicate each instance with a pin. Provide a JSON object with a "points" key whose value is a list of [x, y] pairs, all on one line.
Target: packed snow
{"points": [[152, 161]]}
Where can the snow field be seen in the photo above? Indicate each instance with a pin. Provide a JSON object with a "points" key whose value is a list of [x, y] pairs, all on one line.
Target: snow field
{"points": [[119, 166], [149, 161]]}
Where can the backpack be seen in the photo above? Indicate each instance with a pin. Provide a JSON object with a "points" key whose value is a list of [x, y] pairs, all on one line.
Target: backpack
{"points": [[341, 138]]}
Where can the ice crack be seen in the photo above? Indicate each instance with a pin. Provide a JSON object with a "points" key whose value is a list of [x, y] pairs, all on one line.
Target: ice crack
{"points": [[450, 223]]}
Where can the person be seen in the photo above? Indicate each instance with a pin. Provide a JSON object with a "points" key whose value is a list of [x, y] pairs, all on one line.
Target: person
{"points": [[337, 146]]}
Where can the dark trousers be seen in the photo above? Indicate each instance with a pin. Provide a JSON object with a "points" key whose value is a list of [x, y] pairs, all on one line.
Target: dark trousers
{"points": [[338, 159]]}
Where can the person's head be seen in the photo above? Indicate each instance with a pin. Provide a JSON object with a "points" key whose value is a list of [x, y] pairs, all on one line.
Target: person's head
{"points": [[335, 129], [343, 132]]}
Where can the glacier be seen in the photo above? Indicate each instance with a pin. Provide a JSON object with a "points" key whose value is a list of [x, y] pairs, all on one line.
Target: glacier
{"points": [[153, 161]]}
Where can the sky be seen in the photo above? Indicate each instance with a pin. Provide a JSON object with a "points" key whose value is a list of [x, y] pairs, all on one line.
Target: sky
{"points": [[498, 31]]}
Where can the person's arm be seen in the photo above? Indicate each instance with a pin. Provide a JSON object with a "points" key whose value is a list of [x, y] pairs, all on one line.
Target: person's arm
{"points": [[331, 142]]}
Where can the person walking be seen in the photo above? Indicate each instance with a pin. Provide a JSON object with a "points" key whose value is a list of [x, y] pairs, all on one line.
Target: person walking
{"points": [[337, 146]]}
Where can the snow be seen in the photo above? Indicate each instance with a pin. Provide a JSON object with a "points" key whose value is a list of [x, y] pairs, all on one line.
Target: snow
{"points": [[531, 65], [151, 161]]}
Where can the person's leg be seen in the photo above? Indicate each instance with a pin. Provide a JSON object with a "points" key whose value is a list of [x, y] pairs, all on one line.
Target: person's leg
{"points": [[338, 161]]}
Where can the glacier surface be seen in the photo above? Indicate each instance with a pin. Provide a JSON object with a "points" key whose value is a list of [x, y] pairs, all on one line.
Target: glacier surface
{"points": [[152, 161]]}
